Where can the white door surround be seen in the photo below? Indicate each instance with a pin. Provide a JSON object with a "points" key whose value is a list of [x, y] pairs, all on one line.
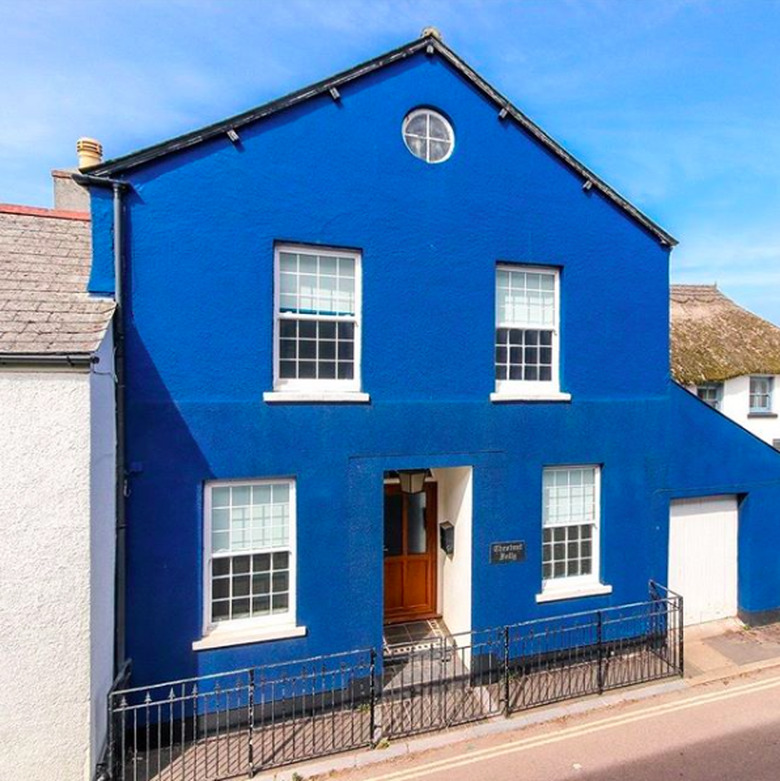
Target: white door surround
{"points": [[454, 581], [703, 556]]}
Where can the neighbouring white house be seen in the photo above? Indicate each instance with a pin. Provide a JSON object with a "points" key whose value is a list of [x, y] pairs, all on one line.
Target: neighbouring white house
{"points": [[727, 356], [57, 462]]}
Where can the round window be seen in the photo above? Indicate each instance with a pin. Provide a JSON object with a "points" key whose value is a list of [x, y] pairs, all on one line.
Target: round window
{"points": [[428, 135]]}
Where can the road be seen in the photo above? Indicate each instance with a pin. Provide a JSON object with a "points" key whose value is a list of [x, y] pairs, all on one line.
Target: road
{"points": [[724, 730]]}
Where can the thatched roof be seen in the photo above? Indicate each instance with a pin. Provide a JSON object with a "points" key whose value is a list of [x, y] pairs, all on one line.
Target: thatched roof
{"points": [[714, 339]]}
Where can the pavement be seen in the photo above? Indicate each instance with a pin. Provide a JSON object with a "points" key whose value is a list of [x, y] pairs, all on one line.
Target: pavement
{"points": [[718, 651], [724, 648]]}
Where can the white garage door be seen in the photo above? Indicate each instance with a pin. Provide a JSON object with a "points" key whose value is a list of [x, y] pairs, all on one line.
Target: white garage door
{"points": [[703, 556]]}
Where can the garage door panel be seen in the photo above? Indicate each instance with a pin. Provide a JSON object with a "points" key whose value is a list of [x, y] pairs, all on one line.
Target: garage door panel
{"points": [[703, 556]]}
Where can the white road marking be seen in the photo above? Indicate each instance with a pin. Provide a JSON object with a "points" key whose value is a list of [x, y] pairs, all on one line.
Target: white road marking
{"points": [[524, 744]]}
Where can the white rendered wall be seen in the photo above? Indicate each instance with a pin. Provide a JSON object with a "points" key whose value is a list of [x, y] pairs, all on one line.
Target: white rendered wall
{"points": [[56, 596], [455, 506], [736, 402]]}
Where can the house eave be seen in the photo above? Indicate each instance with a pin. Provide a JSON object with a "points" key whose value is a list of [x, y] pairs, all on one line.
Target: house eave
{"points": [[432, 45], [48, 360]]}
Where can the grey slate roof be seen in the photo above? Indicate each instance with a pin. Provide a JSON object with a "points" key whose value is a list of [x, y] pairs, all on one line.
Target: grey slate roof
{"points": [[45, 309], [715, 339]]}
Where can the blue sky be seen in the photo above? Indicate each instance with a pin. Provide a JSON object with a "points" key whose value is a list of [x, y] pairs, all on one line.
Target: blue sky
{"points": [[675, 103]]}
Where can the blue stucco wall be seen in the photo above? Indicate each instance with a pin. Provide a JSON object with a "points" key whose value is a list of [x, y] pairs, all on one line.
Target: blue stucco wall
{"points": [[201, 225], [709, 450]]}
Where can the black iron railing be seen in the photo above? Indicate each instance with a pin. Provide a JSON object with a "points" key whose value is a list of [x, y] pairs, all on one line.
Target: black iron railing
{"points": [[239, 723]]}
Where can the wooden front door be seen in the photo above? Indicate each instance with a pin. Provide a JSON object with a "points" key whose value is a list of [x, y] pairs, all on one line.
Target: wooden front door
{"points": [[410, 554]]}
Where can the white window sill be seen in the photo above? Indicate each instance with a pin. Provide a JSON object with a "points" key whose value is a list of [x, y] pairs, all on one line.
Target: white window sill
{"points": [[520, 396], [316, 397], [223, 638], [559, 593]]}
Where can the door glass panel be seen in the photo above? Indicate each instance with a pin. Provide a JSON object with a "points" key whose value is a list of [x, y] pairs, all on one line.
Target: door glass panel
{"points": [[416, 518], [393, 525]]}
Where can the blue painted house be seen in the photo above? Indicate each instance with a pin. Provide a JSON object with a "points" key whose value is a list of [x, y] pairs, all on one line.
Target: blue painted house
{"points": [[393, 275]]}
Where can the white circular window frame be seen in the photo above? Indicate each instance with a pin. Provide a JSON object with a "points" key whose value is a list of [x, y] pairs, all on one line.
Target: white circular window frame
{"points": [[447, 124]]}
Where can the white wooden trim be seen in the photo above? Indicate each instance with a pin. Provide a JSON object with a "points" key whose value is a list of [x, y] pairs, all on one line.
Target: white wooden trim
{"points": [[579, 585], [498, 397], [428, 112], [258, 624], [522, 389], [223, 639], [592, 590], [315, 397], [317, 386]]}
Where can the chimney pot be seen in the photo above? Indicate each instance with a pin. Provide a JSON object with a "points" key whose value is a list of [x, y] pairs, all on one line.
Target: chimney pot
{"points": [[90, 152]]}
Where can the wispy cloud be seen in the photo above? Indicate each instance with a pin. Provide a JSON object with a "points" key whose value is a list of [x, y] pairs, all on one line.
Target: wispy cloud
{"points": [[674, 102]]}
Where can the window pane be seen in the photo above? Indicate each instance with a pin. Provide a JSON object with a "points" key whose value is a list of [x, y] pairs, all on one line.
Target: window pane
{"points": [[220, 541], [243, 586], [418, 125], [569, 517], [288, 261], [518, 356], [571, 553], [220, 588], [240, 495], [220, 610], [308, 351], [525, 299], [220, 567], [261, 606], [317, 284], [240, 608], [438, 150], [761, 394], [220, 497], [287, 370], [415, 514], [393, 525], [428, 136], [569, 496]]}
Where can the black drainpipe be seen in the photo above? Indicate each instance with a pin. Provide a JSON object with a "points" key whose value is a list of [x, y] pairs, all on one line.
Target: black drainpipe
{"points": [[120, 568]]}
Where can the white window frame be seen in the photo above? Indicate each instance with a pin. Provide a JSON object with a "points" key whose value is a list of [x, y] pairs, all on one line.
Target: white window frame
{"points": [[508, 390], [311, 389], [259, 623], [770, 392], [577, 585], [428, 112]]}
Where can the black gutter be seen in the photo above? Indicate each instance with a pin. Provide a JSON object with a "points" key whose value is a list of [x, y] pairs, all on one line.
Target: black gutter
{"points": [[118, 187], [430, 44], [49, 360]]}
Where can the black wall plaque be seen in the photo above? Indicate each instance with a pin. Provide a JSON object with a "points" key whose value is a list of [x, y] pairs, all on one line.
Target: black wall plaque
{"points": [[507, 552]]}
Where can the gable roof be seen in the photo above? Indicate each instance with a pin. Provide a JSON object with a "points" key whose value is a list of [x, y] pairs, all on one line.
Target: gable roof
{"points": [[45, 310], [714, 339], [431, 44]]}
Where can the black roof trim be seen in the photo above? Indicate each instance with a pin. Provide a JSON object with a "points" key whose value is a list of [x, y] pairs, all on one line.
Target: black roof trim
{"points": [[70, 360], [431, 44]]}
